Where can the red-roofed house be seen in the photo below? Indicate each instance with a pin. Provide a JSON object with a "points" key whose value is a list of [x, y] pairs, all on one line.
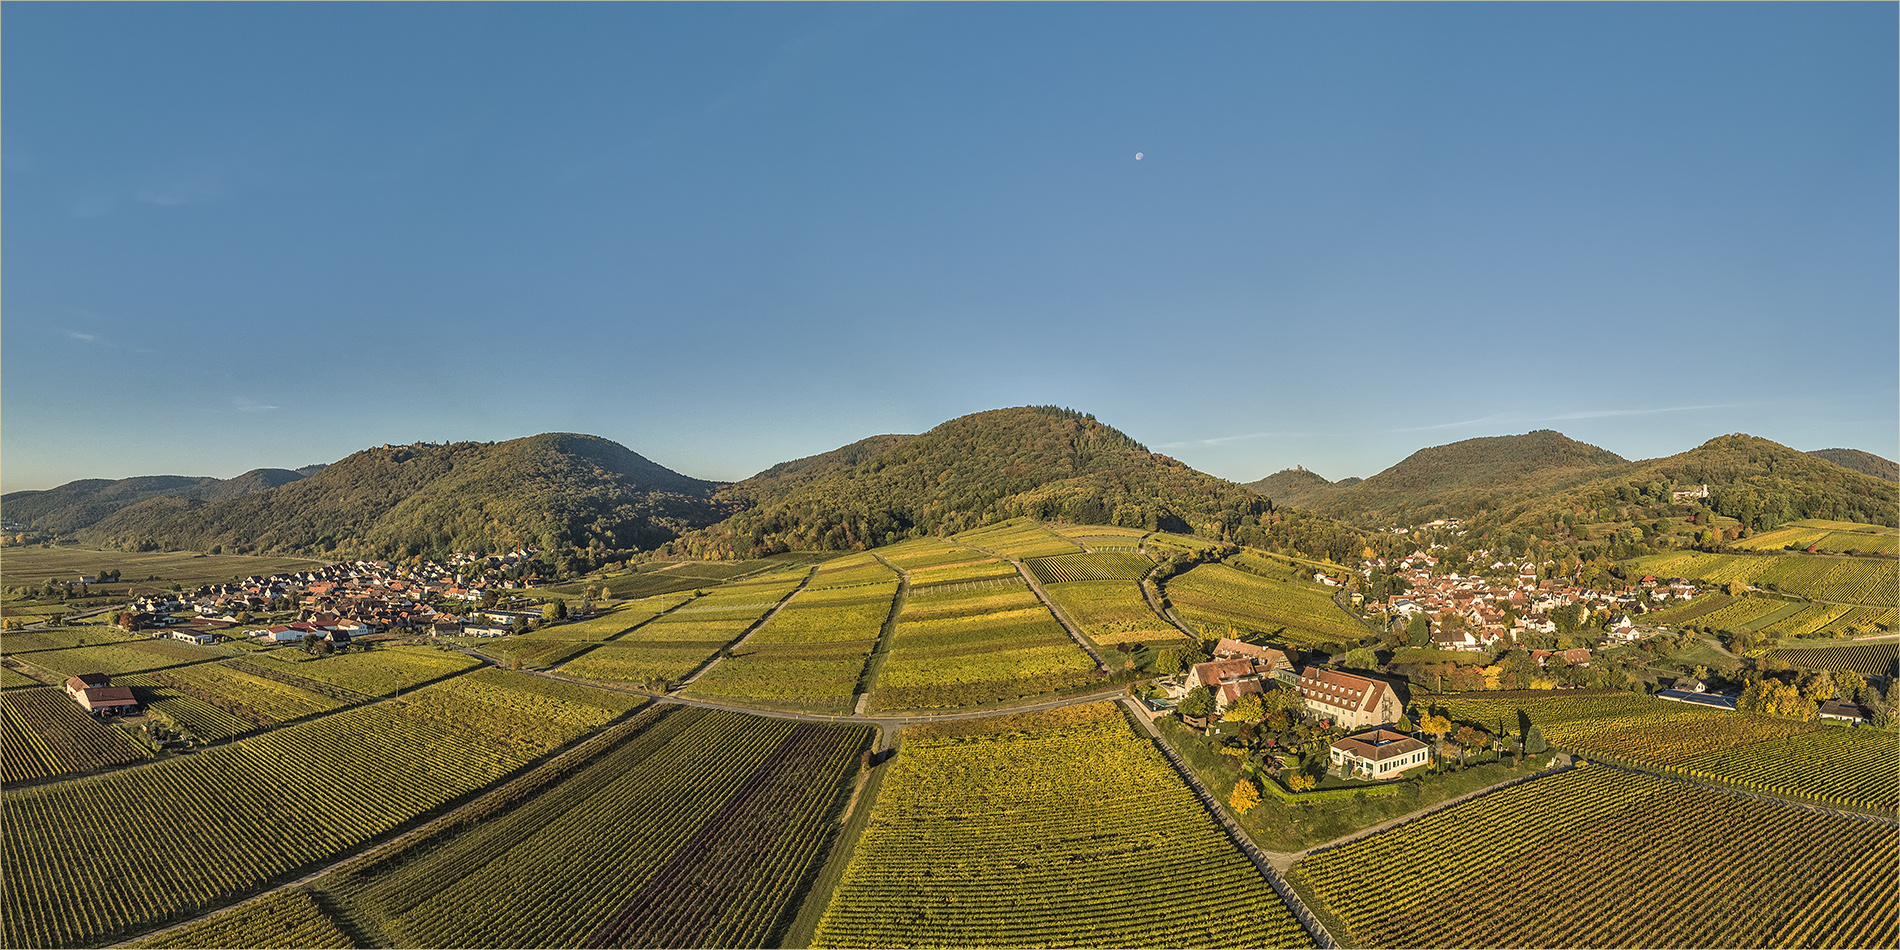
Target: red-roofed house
{"points": [[92, 694], [1228, 679], [1380, 753], [1352, 701]]}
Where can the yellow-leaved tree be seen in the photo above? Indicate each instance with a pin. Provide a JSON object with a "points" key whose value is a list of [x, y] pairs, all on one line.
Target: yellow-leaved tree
{"points": [[1245, 796]]}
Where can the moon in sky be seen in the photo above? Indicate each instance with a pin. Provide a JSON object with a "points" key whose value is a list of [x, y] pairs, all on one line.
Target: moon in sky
{"points": [[1138, 156]]}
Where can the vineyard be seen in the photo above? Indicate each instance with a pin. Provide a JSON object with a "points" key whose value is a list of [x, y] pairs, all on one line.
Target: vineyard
{"points": [[225, 694], [975, 647], [1850, 767], [982, 569], [1211, 597], [381, 672], [698, 830], [1829, 536], [136, 656], [1046, 829], [1621, 725], [606, 624], [811, 654], [1866, 581], [1599, 857], [1089, 567], [669, 648], [925, 553], [11, 678], [217, 823], [31, 641], [288, 918], [1867, 659], [850, 571], [1019, 538], [44, 733], [1111, 612]]}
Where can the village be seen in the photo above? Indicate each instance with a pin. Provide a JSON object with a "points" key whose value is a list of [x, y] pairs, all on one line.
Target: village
{"points": [[338, 603]]}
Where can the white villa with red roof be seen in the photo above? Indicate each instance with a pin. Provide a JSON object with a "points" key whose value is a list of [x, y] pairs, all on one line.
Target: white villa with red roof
{"points": [[1380, 753]]}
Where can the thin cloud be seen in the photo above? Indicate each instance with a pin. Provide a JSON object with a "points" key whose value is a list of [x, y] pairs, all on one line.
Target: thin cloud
{"points": [[197, 189], [1514, 419], [1225, 439], [247, 404], [83, 336]]}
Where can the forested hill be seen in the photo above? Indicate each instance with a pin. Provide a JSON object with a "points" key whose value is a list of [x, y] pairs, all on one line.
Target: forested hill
{"points": [[1297, 487], [574, 496], [76, 505], [1867, 463], [1038, 461], [1465, 478]]}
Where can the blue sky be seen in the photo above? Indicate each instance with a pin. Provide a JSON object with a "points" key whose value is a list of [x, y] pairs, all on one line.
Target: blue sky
{"points": [[244, 235]]}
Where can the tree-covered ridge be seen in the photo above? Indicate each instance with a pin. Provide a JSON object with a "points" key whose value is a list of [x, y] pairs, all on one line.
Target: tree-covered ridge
{"points": [[1297, 487], [787, 477], [1750, 479], [1464, 478], [558, 492], [79, 504], [1037, 461], [1867, 463]]}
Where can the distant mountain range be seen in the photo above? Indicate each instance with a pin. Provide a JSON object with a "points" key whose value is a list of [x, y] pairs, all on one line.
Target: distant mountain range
{"points": [[1540, 473], [585, 498]]}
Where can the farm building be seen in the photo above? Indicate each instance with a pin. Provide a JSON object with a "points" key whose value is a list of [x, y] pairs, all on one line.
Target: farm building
{"points": [[194, 636], [1352, 701], [94, 694], [1380, 753], [1228, 679], [1699, 699], [1845, 712]]}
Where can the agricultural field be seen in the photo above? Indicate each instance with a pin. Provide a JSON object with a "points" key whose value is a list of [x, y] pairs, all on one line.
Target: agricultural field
{"points": [[1867, 659], [981, 570], [1046, 829], [849, 572], [1103, 539], [1826, 536], [215, 701], [699, 830], [1111, 612], [924, 553], [1619, 725], [685, 637], [1808, 621], [1752, 613], [1837, 766], [34, 566], [811, 655], [1599, 857], [33, 641], [974, 647], [1065, 568], [134, 656], [604, 625], [380, 672], [1846, 580], [661, 577], [222, 821], [528, 652], [11, 678], [289, 918], [1019, 538], [1692, 611], [44, 733], [1212, 597]]}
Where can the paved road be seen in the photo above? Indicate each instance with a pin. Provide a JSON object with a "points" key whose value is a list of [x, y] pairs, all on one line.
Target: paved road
{"points": [[747, 635], [1054, 611], [1217, 809]]}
